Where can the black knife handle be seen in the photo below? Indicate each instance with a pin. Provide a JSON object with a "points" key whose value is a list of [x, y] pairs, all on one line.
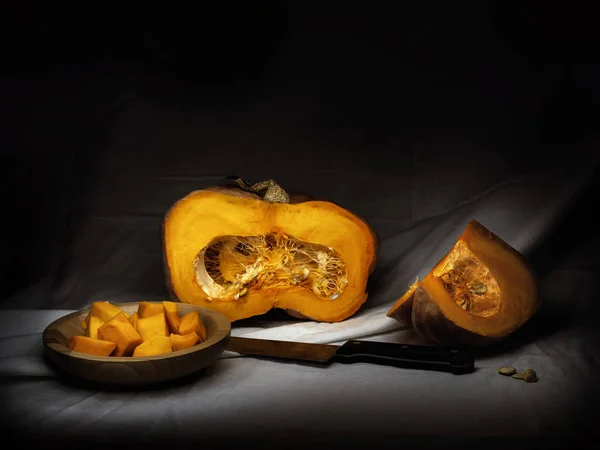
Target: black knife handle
{"points": [[445, 359]]}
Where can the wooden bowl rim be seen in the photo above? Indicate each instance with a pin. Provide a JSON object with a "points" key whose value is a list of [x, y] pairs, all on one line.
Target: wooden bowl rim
{"points": [[223, 332]]}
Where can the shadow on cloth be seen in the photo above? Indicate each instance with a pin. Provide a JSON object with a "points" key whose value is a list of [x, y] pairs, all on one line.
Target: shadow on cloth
{"points": [[72, 382], [572, 233]]}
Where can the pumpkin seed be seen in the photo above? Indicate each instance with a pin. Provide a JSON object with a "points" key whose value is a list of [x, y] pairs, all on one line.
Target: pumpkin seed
{"points": [[507, 371], [477, 287], [530, 376], [463, 303]]}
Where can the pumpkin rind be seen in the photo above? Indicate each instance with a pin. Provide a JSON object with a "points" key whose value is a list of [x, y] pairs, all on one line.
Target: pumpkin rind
{"points": [[231, 211], [510, 295]]}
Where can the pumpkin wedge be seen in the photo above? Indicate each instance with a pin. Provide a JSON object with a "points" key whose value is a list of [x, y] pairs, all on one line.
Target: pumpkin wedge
{"points": [[479, 293], [245, 250]]}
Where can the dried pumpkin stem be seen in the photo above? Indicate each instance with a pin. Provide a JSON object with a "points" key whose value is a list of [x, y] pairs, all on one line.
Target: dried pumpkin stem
{"points": [[273, 192]]}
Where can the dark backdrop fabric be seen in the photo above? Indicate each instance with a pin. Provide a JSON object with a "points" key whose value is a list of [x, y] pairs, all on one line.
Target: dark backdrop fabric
{"points": [[418, 117], [401, 117]]}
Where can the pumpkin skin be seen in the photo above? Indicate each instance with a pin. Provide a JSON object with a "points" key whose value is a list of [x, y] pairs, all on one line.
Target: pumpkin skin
{"points": [[207, 215], [479, 293]]}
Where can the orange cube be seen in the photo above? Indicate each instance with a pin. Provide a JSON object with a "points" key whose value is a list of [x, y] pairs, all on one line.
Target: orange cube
{"points": [[97, 347], [121, 317], [133, 319], [92, 328], [151, 326], [102, 310], [122, 333], [147, 309], [180, 342], [156, 345], [191, 322], [172, 315]]}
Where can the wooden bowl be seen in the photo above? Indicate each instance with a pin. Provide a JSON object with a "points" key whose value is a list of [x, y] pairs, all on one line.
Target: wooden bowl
{"points": [[140, 370]]}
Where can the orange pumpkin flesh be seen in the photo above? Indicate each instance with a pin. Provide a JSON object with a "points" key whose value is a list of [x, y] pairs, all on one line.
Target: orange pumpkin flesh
{"points": [[480, 292], [91, 346], [179, 342], [156, 345], [133, 336], [235, 252]]}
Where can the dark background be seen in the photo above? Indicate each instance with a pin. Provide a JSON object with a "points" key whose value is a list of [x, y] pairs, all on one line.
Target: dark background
{"points": [[308, 93], [384, 79]]}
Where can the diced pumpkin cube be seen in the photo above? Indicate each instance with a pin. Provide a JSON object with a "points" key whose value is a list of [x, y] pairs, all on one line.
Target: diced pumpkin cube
{"points": [[133, 319], [172, 315], [180, 342], [147, 309], [91, 346], [92, 328], [122, 333], [191, 322], [122, 317], [151, 326], [156, 345], [104, 311]]}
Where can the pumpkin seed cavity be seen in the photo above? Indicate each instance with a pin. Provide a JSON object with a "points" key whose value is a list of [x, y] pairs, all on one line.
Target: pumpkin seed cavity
{"points": [[230, 266], [469, 282]]}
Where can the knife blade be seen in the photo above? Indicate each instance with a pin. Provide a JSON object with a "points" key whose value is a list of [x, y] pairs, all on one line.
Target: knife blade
{"points": [[444, 359]]}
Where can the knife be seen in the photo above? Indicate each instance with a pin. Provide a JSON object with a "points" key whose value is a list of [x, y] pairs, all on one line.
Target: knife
{"points": [[445, 359]]}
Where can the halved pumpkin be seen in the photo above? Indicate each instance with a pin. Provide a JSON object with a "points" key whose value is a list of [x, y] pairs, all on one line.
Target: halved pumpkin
{"points": [[241, 252], [480, 292]]}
